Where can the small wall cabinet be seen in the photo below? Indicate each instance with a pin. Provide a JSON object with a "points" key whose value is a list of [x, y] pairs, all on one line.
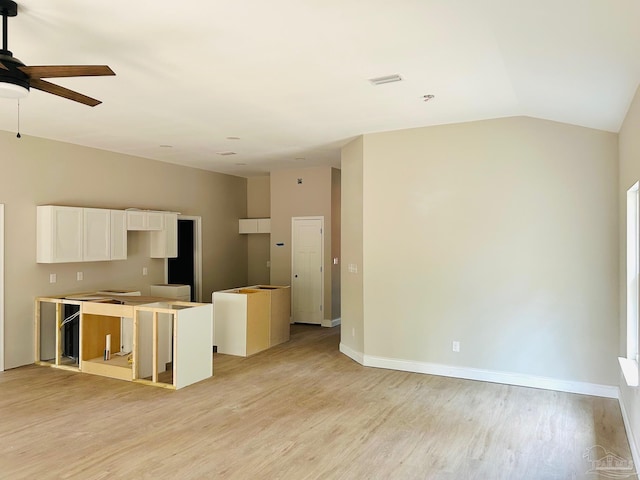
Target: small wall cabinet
{"points": [[76, 234], [254, 225], [145, 220]]}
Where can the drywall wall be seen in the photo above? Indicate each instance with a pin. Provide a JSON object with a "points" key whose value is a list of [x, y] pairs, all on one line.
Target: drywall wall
{"points": [[258, 245], [38, 172], [629, 159], [501, 235], [311, 197], [352, 324]]}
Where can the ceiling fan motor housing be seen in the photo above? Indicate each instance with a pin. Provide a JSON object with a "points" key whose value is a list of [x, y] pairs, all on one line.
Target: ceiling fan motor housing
{"points": [[11, 74]]}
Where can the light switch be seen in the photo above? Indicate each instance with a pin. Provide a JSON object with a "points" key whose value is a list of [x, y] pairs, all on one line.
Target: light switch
{"points": [[145, 271], [79, 276], [52, 278]]}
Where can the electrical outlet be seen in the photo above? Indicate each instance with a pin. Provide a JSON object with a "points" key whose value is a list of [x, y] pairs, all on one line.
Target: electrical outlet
{"points": [[455, 346], [52, 278], [79, 276]]}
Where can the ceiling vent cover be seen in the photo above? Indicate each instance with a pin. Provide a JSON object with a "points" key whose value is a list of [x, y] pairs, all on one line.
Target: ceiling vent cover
{"points": [[385, 79], [225, 153]]}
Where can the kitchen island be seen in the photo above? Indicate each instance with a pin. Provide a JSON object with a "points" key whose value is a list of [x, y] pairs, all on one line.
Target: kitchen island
{"points": [[83, 332], [248, 320]]}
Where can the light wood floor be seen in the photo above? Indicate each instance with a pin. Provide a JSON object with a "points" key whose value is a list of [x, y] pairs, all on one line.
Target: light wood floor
{"points": [[298, 411]]}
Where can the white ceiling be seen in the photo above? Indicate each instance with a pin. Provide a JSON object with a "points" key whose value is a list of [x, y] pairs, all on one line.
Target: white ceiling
{"points": [[289, 77]]}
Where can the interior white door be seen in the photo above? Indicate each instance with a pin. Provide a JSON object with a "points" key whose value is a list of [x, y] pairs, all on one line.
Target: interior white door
{"points": [[307, 245]]}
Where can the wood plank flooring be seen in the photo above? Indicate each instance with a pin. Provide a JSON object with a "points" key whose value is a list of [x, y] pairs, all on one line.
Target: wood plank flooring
{"points": [[298, 411]]}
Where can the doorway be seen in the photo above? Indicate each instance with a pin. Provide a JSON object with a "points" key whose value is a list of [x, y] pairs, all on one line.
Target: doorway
{"points": [[1, 287], [307, 275], [186, 268]]}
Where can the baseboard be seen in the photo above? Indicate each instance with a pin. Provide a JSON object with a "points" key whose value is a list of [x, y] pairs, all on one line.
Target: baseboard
{"points": [[352, 354], [608, 391], [332, 323], [633, 445]]}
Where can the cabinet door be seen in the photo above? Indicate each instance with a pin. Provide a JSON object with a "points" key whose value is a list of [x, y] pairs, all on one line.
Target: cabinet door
{"points": [[97, 234], [59, 234], [136, 220], [264, 225], [155, 221], [248, 225], [118, 235], [164, 244]]}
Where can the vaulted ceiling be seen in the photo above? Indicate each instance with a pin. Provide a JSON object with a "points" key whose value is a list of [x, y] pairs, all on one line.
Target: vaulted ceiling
{"points": [[285, 83]]}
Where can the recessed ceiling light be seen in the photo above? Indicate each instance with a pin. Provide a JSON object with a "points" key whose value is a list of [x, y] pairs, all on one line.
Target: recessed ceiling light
{"points": [[299, 158], [241, 164], [385, 79], [426, 98], [233, 138], [166, 146], [225, 153]]}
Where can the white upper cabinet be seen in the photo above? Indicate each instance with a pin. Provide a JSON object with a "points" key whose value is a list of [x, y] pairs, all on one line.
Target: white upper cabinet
{"points": [[118, 235], [76, 234], [254, 225], [96, 234], [59, 234], [164, 244], [145, 220]]}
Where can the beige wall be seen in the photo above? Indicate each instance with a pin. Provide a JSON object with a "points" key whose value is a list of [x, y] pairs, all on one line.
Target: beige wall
{"points": [[38, 171], [352, 325], [290, 199], [499, 234], [629, 151], [258, 245]]}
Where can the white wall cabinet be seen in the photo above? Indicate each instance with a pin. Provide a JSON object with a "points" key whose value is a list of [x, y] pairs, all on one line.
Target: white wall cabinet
{"points": [[59, 234], [76, 234], [164, 244], [145, 220], [254, 225]]}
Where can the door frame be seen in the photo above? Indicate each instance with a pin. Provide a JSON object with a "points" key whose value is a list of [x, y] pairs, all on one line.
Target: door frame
{"points": [[1, 287], [197, 255], [293, 251]]}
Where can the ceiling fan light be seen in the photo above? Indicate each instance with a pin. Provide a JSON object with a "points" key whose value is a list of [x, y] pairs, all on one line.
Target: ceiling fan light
{"points": [[11, 90]]}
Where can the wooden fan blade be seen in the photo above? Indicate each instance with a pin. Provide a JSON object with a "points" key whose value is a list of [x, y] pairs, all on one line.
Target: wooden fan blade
{"points": [[56, 71], [63, 92], [3, 66]]}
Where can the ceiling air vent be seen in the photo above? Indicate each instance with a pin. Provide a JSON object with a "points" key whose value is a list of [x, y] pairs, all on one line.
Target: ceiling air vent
{"points": [[225, 153], [385, 79]]}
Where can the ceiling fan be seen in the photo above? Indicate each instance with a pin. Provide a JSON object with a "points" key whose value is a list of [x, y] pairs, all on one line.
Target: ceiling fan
{"points": [[16, 78]]}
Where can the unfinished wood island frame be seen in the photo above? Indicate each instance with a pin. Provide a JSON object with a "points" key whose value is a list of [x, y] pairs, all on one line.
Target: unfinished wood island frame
{"points": [[171, 338]]}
